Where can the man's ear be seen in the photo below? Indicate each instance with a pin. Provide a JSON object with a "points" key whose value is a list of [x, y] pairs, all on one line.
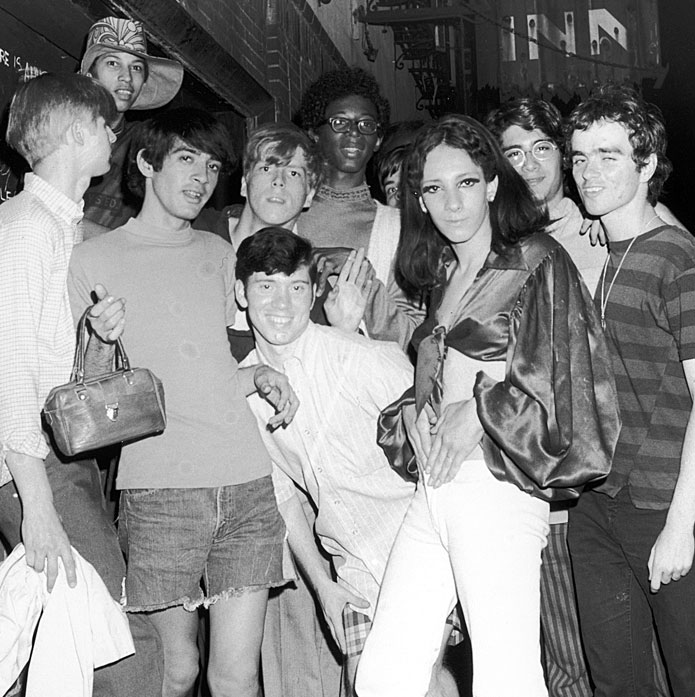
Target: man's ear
{"points": [[240, 292], [146, 169], [648, 168], [313, 135], [244, 187], [378, 143], [76, 132], [309, 198]]}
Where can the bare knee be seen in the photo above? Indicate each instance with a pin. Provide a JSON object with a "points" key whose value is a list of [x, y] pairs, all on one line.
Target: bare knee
{"points": [[180, 671], [237, 679]]}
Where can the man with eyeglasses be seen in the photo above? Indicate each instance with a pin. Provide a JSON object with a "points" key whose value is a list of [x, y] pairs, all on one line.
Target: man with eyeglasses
{"points": [[530, 132], [344, 112]]}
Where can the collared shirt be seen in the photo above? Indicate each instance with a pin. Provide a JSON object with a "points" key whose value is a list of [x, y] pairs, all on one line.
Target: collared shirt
{"points": [[38, 229], [329, 450]]}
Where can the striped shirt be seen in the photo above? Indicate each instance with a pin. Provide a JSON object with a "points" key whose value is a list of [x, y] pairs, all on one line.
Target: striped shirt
{"points": [[329, 450], [650, 327], [38, 229]]}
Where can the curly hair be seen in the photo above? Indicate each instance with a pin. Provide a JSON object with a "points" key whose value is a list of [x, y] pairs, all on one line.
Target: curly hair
{"points": [[529, 114], [643, 122], [514, 213], [335, 85]]}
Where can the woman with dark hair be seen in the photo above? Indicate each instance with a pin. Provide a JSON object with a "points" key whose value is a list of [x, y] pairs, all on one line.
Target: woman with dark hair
{"points": [[513, 407]]}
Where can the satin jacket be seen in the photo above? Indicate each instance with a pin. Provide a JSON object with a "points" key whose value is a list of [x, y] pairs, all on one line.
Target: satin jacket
{"points": [[552, 425]]}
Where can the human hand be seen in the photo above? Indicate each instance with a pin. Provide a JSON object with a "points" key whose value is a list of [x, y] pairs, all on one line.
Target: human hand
{"points": [[46, 542], [347, 300], [276, 389], [418, 428], [329, 262], [671, 556], [333, 598], [107, 316], [597, 235], [454, 436]]}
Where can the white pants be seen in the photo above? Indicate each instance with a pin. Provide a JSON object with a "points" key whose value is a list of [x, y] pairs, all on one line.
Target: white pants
{"points": [[480, 539]]}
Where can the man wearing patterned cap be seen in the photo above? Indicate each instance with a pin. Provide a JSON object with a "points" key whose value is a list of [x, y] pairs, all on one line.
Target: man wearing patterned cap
{"points": [[116, 56]]}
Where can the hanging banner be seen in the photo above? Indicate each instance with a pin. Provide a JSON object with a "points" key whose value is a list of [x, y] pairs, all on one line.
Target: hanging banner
{"points": [[566, 47]]}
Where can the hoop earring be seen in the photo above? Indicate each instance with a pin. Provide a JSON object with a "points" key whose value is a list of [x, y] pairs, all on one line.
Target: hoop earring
{"points": [[423, 207]]}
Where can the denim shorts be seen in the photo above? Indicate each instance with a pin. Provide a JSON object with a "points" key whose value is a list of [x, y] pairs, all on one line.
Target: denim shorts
{"points": [[229, 538]]}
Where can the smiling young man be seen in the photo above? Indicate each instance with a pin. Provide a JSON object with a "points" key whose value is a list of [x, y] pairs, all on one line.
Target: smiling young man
{"points": [[116, 56], [330, 451], [197, 501], [344, 113], [631, 537]]}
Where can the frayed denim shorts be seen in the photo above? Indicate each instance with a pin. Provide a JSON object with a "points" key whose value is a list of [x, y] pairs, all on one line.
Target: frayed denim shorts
{"points": [[191, 547]]}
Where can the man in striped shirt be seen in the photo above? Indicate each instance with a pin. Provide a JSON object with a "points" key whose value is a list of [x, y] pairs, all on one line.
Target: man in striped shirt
{"points": [[631, 537]]}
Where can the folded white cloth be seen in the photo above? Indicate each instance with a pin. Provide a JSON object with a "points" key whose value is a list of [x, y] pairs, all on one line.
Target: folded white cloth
{"points": [[79, 628]]}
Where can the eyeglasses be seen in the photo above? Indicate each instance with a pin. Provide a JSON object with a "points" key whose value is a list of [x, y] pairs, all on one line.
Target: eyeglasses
{"points": [[541, 151], [340, 124]]}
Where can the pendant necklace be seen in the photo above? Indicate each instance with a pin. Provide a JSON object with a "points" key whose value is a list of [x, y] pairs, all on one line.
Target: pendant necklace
{"points": [[605, 296]]}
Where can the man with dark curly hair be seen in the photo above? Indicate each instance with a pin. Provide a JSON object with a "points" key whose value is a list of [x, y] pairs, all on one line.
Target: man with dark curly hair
{"points": [[631, 537], [345, 114]]}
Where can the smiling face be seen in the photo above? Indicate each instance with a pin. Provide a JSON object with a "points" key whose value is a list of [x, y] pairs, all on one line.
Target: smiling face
{"points": [[276, 189], [608, 179], [278, 306], [348, 153], [455, 194], [179, 190], [543, 177], [123, 75]]}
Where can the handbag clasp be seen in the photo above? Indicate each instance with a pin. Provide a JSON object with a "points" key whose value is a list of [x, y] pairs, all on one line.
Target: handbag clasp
{"points": [[111, 411]]}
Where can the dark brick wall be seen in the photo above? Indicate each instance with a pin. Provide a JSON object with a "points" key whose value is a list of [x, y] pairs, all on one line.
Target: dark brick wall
{"points": [[280, 43]]}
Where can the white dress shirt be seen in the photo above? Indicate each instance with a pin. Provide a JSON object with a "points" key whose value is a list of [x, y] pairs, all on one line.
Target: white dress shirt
{"points": [[343, 382], [38, 229]]}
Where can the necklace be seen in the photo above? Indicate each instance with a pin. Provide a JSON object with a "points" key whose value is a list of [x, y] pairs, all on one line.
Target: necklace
{"points": [[604, 298]]}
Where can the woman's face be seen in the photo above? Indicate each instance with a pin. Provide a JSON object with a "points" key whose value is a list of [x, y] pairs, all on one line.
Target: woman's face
{"points": [[455, 194]]}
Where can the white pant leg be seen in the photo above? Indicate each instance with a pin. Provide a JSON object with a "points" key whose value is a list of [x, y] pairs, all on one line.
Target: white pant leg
{"points": [[495, 534], [491, 534], [417, 595]]}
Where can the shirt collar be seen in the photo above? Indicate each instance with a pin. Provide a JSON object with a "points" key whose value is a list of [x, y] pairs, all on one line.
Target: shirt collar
{"points": [[299, 352], [359, 193], [512, 258], [61, 205]]}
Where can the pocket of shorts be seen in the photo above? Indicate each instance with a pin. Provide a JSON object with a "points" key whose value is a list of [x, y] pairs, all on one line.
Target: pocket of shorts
{"points": [[140, 494]]}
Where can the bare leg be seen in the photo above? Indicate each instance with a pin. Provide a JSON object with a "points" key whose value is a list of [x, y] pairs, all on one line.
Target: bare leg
{"points": [[178, 630], [236, 632]]}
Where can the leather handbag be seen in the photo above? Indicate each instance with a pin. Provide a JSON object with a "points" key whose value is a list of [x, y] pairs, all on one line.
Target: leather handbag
{"points": [[117, 407]]}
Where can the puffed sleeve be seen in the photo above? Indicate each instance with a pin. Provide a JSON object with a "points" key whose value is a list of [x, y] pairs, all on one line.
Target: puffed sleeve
{"points": [[552, 425]]}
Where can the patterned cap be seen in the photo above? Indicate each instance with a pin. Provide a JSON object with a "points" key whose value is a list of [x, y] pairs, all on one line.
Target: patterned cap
{"points": [[110, 34]]}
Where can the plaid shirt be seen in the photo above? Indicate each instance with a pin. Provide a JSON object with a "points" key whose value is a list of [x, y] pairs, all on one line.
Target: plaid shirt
{"points": [[38, 229]]}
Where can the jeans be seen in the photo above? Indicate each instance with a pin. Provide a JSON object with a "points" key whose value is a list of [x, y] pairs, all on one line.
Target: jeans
{"points": [[480, 539], [79, 501], [610, 541]]}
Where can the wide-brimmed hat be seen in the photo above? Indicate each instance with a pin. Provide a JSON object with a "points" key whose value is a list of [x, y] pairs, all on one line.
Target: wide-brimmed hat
{"points": [[110, 34]]}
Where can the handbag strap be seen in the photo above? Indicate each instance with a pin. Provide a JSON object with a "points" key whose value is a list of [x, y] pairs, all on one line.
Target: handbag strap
{"points": [[77, 375]]}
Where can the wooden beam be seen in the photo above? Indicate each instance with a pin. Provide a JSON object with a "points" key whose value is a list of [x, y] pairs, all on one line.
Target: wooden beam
{"points": [[183, 38]]}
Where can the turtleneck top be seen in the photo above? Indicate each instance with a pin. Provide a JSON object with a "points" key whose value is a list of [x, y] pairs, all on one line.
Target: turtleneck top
{"points": [[179, 290]]}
